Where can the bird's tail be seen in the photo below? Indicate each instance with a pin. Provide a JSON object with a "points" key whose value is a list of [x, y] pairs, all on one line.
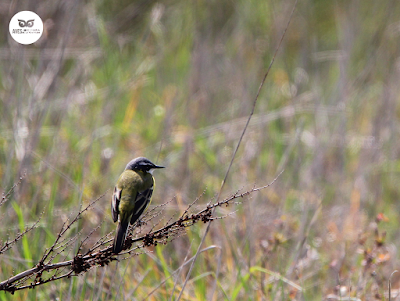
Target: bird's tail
{"points": [[119, 238]]}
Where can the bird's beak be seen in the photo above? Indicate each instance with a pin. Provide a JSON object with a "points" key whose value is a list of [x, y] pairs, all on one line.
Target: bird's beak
{"points": [[155, 167]]}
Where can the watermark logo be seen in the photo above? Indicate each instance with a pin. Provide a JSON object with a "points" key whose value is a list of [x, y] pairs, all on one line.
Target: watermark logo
{"points": [[23, 23], [26, 27]]}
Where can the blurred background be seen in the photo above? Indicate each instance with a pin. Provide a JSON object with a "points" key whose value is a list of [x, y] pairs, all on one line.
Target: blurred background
{"points": [[175, 81]]}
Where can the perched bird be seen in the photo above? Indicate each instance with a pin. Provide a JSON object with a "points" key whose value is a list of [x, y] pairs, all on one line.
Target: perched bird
{"points": [[131, 197]]}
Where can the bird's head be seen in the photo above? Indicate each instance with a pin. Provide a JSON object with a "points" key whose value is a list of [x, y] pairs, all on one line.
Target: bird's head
{"points": [[142, 164]]}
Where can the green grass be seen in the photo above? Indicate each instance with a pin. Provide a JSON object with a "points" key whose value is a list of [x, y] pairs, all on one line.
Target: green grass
{"points": [[174, 81]]}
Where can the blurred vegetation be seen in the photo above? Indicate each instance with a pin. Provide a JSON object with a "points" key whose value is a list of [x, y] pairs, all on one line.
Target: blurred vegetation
{"points": [[174, 81]]}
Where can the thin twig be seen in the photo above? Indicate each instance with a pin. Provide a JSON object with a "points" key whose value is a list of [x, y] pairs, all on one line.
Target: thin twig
{"points": [[81, 263], [237, 147]]}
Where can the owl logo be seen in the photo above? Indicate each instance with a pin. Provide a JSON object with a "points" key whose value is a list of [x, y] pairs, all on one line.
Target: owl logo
{"points": [[23, 23]]}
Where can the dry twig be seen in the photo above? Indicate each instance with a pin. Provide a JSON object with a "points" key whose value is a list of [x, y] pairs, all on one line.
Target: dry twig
{"points": [[46, 271]]}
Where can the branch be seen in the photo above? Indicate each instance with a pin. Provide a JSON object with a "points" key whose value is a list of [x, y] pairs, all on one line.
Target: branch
{"points": [[81, 263], [6, 196]]}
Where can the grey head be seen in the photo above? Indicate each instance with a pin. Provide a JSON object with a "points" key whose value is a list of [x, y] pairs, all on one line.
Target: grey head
{"points": [[143, 164]]}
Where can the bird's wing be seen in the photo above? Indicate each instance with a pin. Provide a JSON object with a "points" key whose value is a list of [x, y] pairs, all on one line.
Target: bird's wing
{"points": [[116, 197], [142, 201]]}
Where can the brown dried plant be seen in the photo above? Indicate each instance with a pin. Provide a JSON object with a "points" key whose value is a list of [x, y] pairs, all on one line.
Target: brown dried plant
{"points": [[100, 253]]}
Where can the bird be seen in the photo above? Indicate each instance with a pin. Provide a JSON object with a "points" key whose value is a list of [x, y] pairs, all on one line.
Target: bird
{"points": [[131, 196]]}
